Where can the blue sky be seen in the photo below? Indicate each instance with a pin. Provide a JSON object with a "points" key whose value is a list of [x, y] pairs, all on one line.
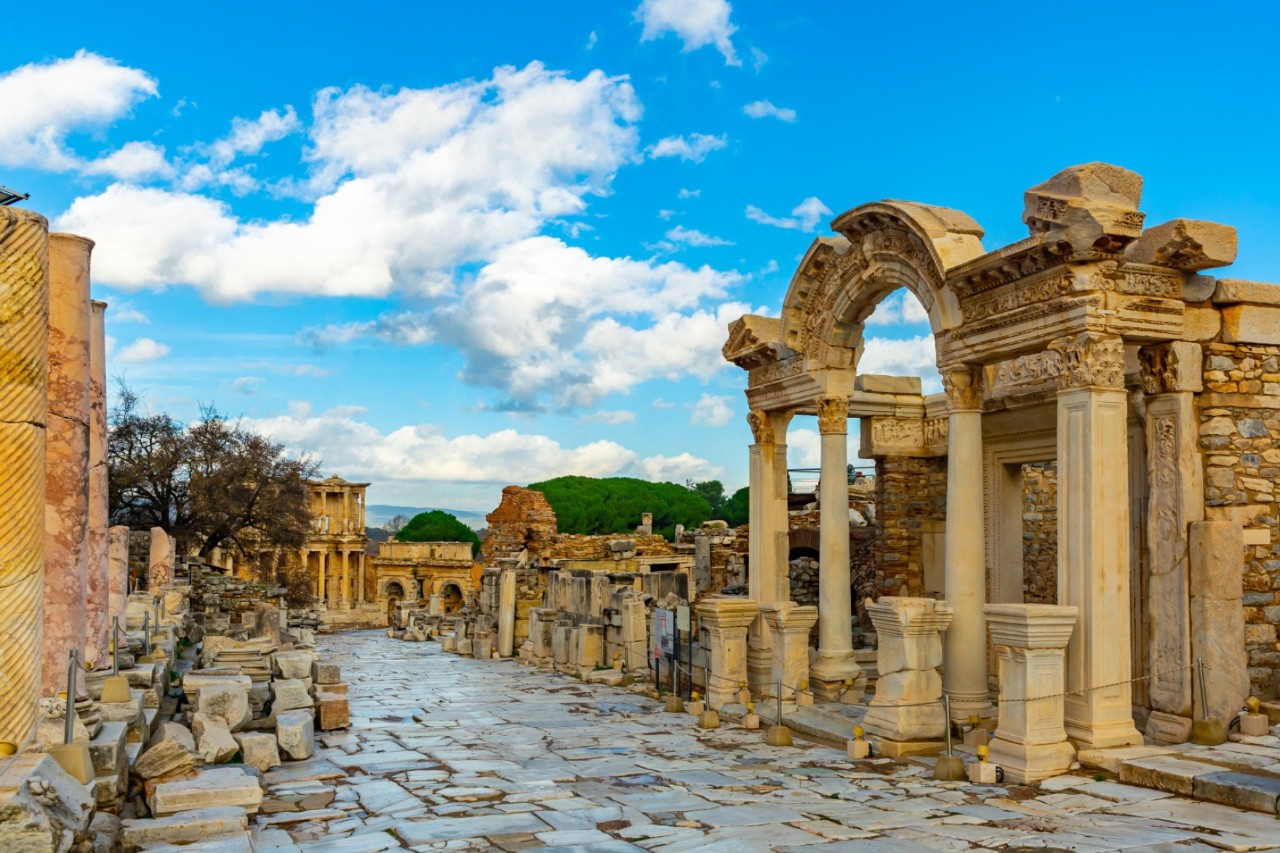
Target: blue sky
{"points": [[446, 248]]}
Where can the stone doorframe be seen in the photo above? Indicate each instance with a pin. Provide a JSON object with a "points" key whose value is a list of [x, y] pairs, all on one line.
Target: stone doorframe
{"points": [[1002, 459]]}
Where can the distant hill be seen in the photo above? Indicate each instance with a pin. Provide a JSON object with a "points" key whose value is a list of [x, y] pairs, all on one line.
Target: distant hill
{"points": [[376, 515]]}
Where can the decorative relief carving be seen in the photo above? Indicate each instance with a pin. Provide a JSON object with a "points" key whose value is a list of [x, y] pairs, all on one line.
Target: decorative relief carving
{"points": [[774, 371], [1037, 368], [1090, 359], [964, 389], [761, 426], [897, 432], [1029, 291], [937, 431], [833, 415], [1159, 369]]}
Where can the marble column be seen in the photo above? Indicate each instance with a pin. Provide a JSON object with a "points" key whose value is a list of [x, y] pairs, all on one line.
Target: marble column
{"points": [[726, 618], [767, 540], [66, 458], [98, 618], [1030, 742], [789, 625], [160, 562], [360, 593], [1093, 538], [965, 575], [342, 593], [835, 669], [24, 405], [1171, 375], [118, 562], [908, 701], [321, 592]]}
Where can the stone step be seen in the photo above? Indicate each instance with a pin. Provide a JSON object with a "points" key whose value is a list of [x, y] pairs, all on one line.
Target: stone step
{"points": [[183, 828], [1238, 775]]}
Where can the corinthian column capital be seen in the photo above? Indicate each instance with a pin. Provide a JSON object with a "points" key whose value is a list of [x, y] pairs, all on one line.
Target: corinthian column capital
{"points": [[833, 415], [1090, 359], [964, 388]]}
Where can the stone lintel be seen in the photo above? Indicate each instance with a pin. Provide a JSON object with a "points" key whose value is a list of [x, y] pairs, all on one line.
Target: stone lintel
{"points": [[1229, 291], [1185, 244], [1251, 323]]}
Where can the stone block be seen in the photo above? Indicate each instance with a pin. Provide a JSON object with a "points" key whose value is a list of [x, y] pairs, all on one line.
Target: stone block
{"points": [[41, 806], [295, 734], [1185, 244], [1254, 324], [1201, 324], [183, 828], [326, 673], [295, 664], [106, 749], [1217, 560], [888, 384], [221, 786], [1240, 790], [259, 750], [166, 758], [174, 731], [289, 695], [1229, 291], [214, 743], [228, 702], [332, 712], [1165, 773]]}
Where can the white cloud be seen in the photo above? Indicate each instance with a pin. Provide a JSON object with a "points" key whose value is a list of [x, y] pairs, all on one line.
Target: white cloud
{"points": [[694, 237], [404, 328], [914, 356], [697, 23], [766, 109], [758, 59], [659, 403], [898, 309], [694, 149], [711, 411], [591, 41], [133, 161], [125, 312], [611, 417], [46, 102], [804, 216], [666, 214], [247, 385], [423, 453], [408, 186], [679, 468], [687, 193], [142, 350]]}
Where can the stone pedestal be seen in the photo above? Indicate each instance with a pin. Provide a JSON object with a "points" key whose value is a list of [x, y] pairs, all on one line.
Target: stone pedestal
{"points": [[789, 625], [965, 569], [24, 360], [767, 540], [1217, 617], [726, 619], [1093, 539], [908, 701], [1030, 741], [835, 666], [98, 600], [66, 458]]}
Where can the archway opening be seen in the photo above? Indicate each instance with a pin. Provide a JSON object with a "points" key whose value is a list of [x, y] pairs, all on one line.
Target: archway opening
{"points": [[450, 598]]}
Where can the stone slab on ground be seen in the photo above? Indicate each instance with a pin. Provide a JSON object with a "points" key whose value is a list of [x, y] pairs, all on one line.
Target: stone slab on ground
{"points": [[184, 827], [222, 786]]}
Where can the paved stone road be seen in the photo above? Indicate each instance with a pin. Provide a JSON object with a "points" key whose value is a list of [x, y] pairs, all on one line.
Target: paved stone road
{"points": [[459, 754]]}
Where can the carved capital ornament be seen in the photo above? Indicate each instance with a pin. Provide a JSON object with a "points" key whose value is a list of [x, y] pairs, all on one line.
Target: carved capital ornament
{"points": [[1090, 359], [964, 389], [761, 426], [833, 415]]}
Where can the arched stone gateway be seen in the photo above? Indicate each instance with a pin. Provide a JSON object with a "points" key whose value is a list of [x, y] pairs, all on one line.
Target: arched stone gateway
{"points": [[1082, 345], [451, 597]]}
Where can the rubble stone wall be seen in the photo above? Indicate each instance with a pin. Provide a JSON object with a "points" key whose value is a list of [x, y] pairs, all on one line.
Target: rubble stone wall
{"points": [[1240, 439], [909, 491], [1040, 532]]}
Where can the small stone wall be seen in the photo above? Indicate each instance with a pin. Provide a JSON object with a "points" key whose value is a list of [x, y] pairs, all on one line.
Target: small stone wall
{"points": [[1240, 438], [909, 491], [1040, 533]]}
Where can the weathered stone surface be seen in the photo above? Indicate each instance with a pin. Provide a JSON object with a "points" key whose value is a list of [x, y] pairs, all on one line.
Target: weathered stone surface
{"points": [[295, 733], [293, 664], [106, 749], [1229, 291], [214, 742], [325, 673], [222, 786], [288, 695], [160, 570], [1256, 324], [175, 732], [887, 384], [183, 828], [41, 807], [1217, 616], [259, 750], [227, 702], [1165, 773], [332, 712], [1185, 244], [165, 759]]}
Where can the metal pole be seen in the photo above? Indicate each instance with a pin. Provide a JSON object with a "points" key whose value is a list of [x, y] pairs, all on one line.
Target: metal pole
{"points": [[115, 645], [946, 707], [146, 633], [1204, 696], [69, 731]]}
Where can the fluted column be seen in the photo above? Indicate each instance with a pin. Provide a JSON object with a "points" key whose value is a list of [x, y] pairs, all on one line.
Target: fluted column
{"points": [[1093, 538], [66, 458], [835, 664], [98, 619], [767, 580], [964, 669], [24, 405]]}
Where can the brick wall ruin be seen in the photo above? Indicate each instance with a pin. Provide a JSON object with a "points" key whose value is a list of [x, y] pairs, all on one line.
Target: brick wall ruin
{"points": [[909, 492]]}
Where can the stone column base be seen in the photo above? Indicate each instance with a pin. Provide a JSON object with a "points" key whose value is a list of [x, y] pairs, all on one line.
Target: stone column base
{"points": [[760, 672], [907, 723], [838, 691], [1024, 763]]}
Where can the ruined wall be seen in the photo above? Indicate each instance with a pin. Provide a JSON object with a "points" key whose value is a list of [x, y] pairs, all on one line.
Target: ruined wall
{"points": [[909, 491], [522, 521], [1040, 533], [1240, 437]]}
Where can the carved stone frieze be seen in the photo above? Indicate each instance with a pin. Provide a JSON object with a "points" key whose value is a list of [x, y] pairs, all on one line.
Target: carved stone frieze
{"points": [[774, 371], [964, 389], [1090, 359], [761, 426], [1027, 371], [833, 415], [1170, 367], [892, 436]]}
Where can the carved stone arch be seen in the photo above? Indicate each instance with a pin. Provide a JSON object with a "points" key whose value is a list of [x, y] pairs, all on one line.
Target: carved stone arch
{"points": [[881, 247]]}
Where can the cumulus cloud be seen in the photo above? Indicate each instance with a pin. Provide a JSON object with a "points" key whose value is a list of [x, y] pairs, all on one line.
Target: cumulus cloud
{"points": [[694, 149], [804, 216], [46, 102], [900, 308], [125, 312], [611, 417], [913, 356], [408, 185], [142, 350], [697, 23], [694, 237], [424, 453], [711, 411], [688, 193], [403, 328], [133, 161], [679, 468], [766, 109]]}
